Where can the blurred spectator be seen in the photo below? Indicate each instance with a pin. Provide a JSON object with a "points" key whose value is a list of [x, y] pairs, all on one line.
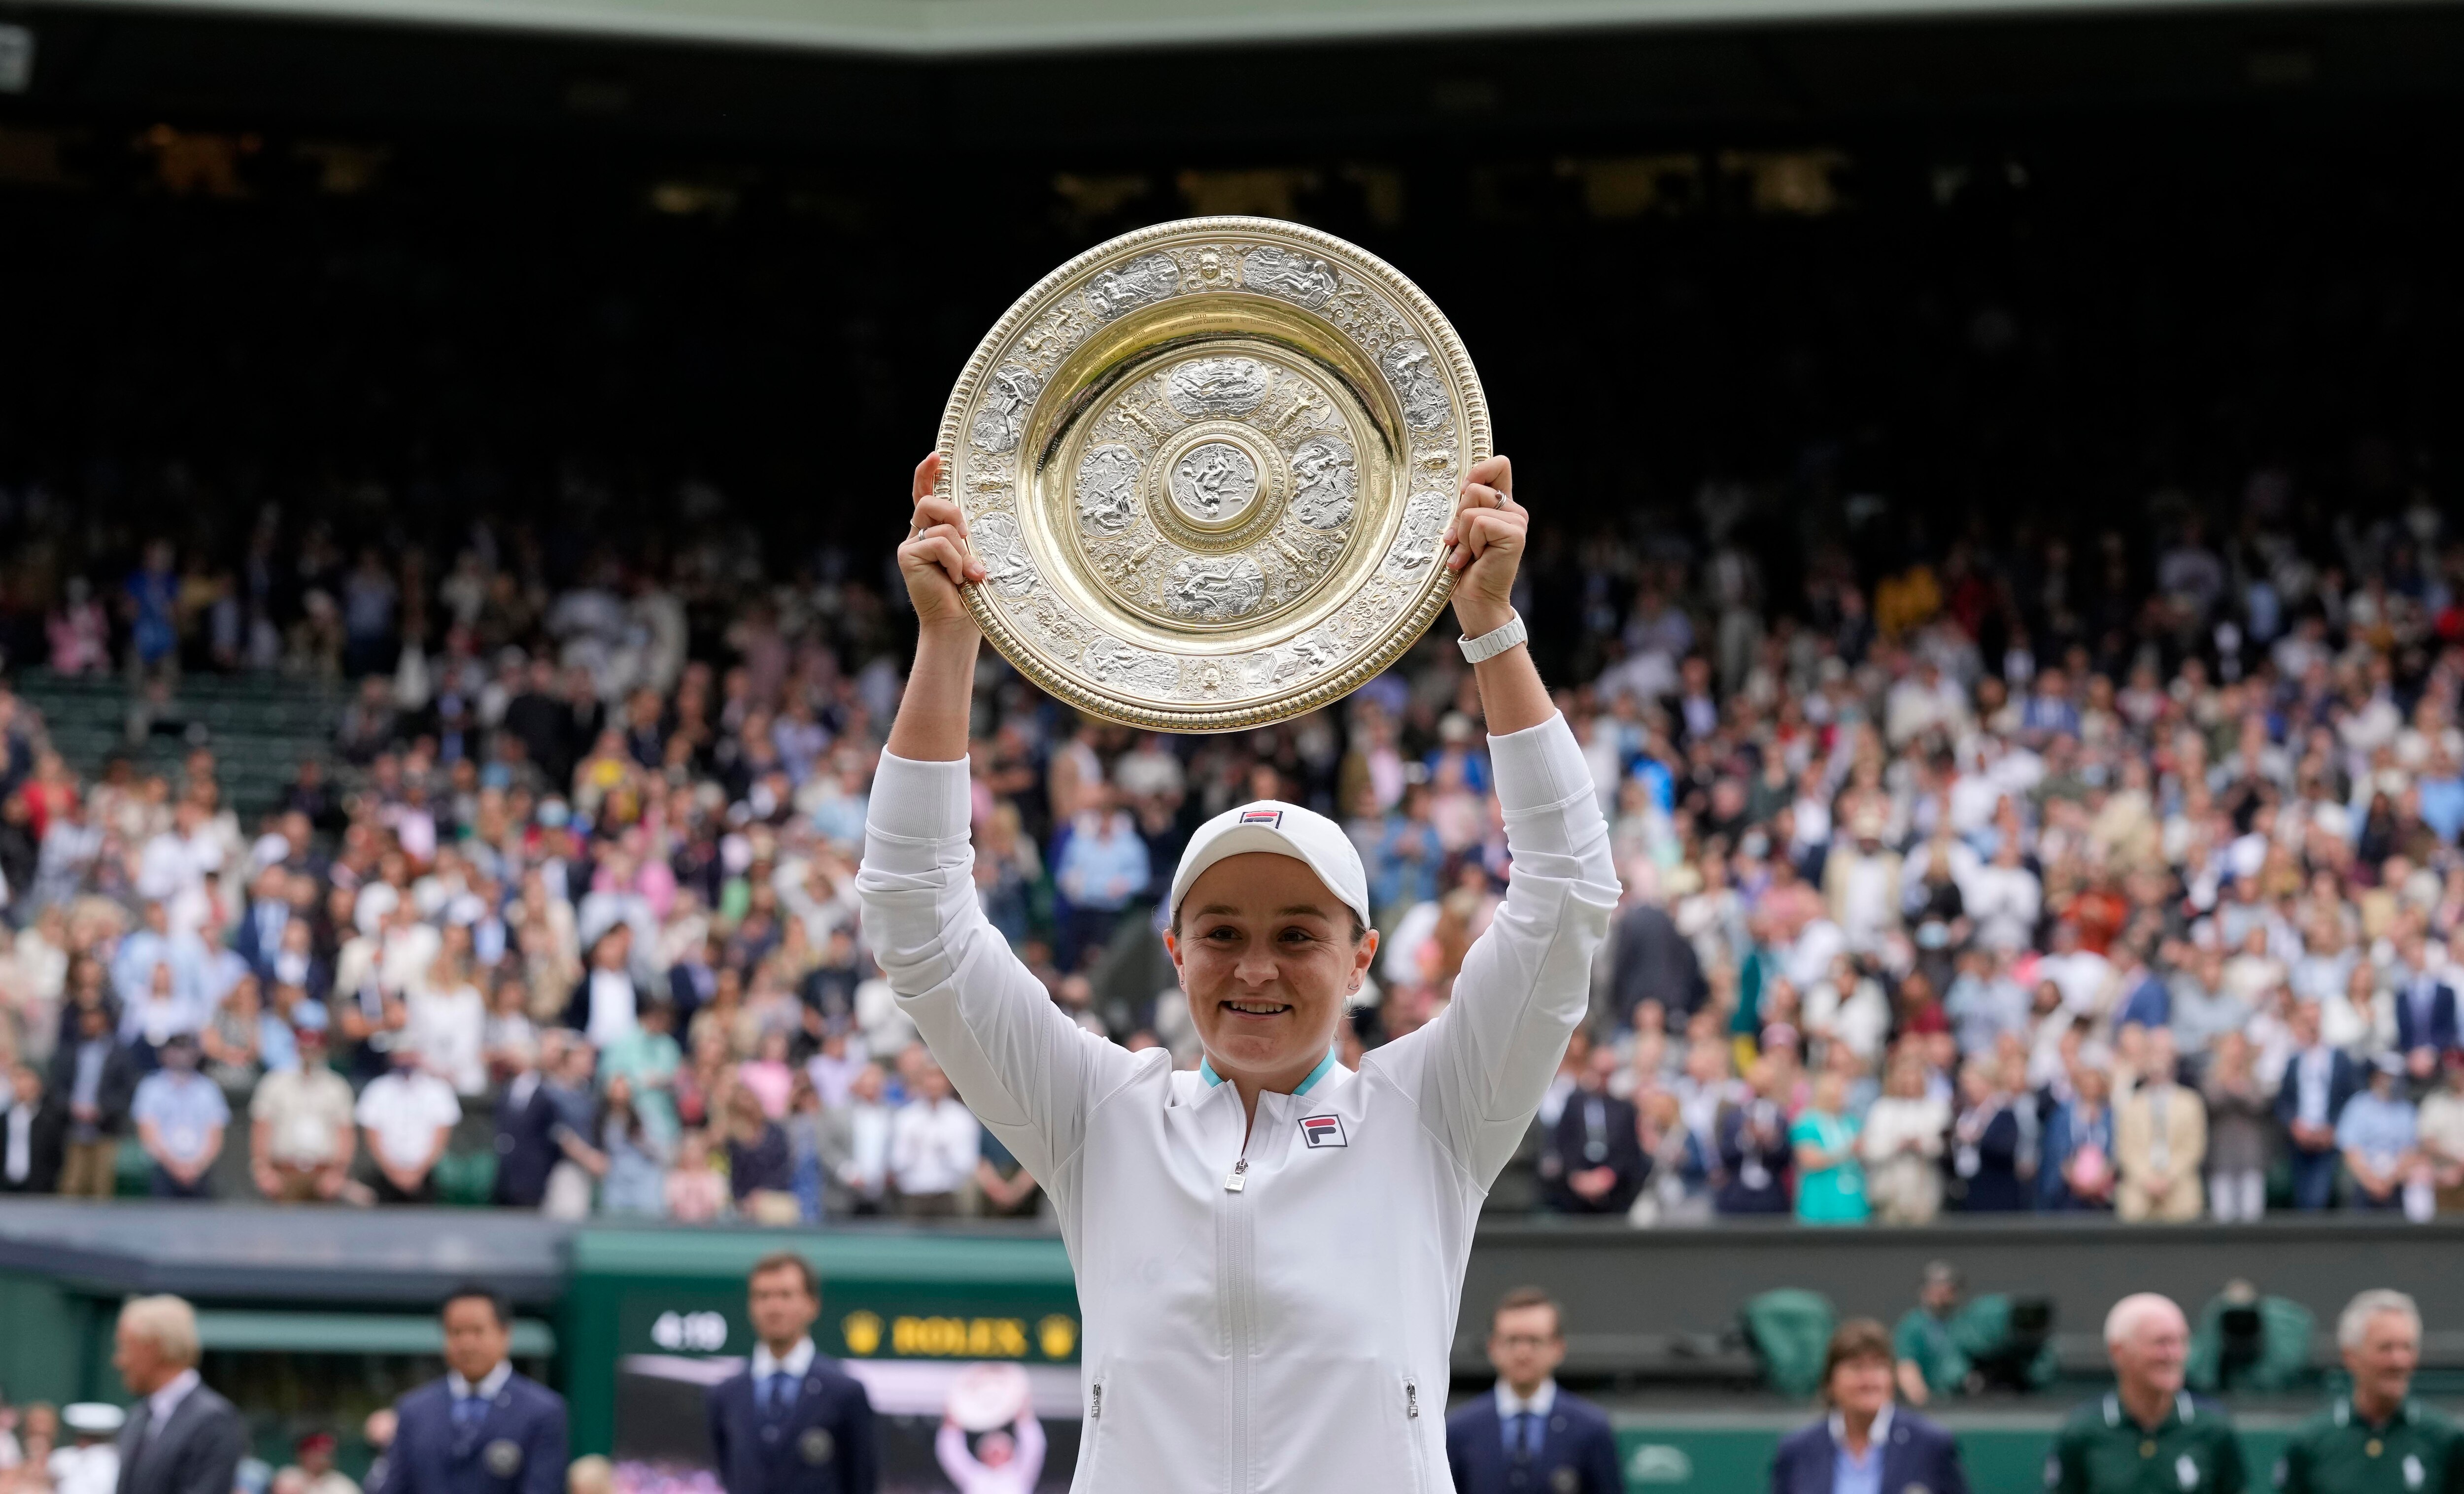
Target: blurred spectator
{"points": [[1756, 1153], [637, 1152], [2079, 1172], [93, 1081], [28, 1161], [2319, 1083], [302, 1123], [1594, 1162], [934, 1144], [760, 1167], [2240, 1132], [2379, 1138], [2159, 1140], [408, 1115], [1831, 1179], [1902, 1145], [180, 1116], [1102, 865]]}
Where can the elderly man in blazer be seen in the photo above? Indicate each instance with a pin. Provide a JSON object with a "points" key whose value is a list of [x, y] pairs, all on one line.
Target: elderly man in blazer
{"points": [[180, 1437], [1528, 1437], [1866, 1445], [791, 1421]]}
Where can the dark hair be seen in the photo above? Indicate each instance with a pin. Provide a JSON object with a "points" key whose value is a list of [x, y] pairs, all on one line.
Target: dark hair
{"points": [[1522, 1297], [477, 1291], [1857, 1338], [787, 1260]]}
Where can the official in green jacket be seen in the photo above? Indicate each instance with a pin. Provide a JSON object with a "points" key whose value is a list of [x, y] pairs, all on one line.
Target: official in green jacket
{"points": [[2377, 1440], [2148, 1435]]}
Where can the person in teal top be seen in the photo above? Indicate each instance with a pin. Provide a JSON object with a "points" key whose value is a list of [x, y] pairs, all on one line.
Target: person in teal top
{"points": [[646, 1058], [1830, 1181]]}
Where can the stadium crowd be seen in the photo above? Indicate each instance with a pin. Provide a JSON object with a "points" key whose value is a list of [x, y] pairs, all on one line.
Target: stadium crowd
{"points": [[1978, 878]]}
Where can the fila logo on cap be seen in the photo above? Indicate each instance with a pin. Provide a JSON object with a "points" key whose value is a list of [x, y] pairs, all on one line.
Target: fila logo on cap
{"points": [[1322, 1131], [1271, 819]]}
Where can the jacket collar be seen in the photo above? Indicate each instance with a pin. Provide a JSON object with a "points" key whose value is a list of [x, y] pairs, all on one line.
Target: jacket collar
{"points": [[1325, 1066]]}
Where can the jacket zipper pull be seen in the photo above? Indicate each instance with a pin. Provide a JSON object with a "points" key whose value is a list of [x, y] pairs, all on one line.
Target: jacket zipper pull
{"points": [[1411, 1401], [1235, 1180], [1096, 1412]]}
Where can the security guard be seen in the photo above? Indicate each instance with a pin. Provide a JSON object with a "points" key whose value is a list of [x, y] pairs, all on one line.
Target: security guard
{"points": [[2377, 1440], [791, 1422], [2149, 1436], [482, 1429]]}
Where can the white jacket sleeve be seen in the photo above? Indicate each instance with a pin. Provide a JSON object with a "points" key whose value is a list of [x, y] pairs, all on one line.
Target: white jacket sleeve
{"points": [[1485, 1061], [1026, 1070]]}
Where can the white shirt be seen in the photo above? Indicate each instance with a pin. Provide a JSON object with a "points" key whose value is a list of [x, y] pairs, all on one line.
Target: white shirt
{"points": [[166, 1400], [1510, 1405], [86, 1470], [17, 1143], [766, 1364], [403, 1110], [448, 1026], [1293, 1331], [613, 1014], [934, 1147], [489, 1384]]}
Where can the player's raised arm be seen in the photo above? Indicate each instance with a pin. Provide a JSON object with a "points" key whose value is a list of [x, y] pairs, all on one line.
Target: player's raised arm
{"points": [[1020, 1066], [1527, 982]]}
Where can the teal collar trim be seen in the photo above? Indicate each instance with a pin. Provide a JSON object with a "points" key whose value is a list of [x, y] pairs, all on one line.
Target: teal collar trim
{"points": [[1206, 1072]]}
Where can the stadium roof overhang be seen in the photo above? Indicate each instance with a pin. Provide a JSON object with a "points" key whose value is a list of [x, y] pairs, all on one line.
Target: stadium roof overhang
{"points": [[927, 29]]}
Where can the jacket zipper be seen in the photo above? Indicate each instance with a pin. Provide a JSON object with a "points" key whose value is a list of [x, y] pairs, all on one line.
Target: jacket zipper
{"points": [[1412, 1432], [1095, 1438], [1233, 1261]]}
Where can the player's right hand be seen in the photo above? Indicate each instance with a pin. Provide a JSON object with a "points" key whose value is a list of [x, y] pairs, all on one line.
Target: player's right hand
{"points": [[933, 557]]}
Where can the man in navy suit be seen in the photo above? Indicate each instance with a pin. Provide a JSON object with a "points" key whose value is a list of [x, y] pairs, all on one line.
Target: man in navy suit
{"points": [[792, 1422], [1528, 1437], [482, 1429], [2426, 1025], [1866, 1445], [2317, 1082]]}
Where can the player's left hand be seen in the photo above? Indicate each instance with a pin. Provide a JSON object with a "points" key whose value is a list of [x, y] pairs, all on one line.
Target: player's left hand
{"points": [[1487, 536]]}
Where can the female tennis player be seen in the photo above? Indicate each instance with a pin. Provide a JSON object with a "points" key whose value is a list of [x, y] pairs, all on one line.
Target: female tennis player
{"points": [[1270, 1249]]}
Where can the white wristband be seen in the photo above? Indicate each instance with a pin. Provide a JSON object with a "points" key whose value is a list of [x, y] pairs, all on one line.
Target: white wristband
{"points": [[1491, 644]]}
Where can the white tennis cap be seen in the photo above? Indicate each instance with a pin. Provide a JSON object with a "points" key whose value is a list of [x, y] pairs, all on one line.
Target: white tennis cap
{"points": [[1284, 831]]}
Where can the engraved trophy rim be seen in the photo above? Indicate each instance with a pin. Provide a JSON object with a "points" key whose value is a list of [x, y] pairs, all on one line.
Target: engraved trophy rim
{"points": [[1423, 603]]}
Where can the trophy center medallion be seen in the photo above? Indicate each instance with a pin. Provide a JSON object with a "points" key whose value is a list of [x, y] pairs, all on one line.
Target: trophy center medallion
{"points": [[1214, 484]]}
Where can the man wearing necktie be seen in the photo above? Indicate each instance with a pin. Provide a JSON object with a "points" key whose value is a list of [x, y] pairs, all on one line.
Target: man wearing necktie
{"points": [[791, 1421], [1529, 1437], [482, 1429]]}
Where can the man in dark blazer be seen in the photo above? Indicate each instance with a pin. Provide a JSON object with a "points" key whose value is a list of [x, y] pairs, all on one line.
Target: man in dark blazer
{"points": [[2425, 1022], [1866, 1443], [527, 1150], [791, 1421], [180, 1437], [482, 1429], [1528, 1436], [1651, 961], [2318, 1080], [1592, 1161]]}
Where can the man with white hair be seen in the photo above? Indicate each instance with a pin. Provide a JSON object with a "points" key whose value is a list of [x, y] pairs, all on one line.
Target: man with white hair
{"points": [[180, 1437], [2148, 1435], [2376, 1438]]}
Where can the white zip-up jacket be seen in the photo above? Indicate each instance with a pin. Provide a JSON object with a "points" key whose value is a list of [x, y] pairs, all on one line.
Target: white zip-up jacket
{"points": [[1276, 1315]]}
